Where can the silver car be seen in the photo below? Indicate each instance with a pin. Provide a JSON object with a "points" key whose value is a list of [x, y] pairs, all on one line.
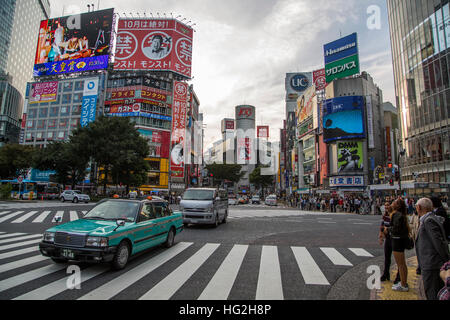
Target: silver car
{"points": [[271, 200], [204, 206], [74, 196]]}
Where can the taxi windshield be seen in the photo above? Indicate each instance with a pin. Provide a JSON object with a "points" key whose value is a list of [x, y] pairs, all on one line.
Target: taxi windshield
{"points": [[114, 210]]}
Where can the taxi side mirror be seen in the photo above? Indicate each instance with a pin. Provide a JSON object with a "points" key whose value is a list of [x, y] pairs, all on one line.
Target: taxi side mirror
{"points": [[120, 223]]}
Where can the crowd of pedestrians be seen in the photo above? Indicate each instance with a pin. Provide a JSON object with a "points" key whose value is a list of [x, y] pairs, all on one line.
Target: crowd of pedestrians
{"points": [[424, 225], [350, 204]]}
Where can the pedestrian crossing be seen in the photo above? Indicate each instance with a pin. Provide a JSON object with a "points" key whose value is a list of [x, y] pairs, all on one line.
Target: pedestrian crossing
{"points": [[47, 216], [188, 271]]}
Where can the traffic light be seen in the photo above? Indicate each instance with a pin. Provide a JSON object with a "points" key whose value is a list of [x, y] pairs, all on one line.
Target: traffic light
{"points": [[390, 165], [391, 181]]}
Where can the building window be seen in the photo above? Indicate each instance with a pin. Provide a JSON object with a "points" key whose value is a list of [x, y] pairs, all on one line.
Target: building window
{"points": [[32, 113], [79, 86], [77, 97], [29, 137], [61, 135], [65, 111], [39, 136], [75, 122], [43, 112], [63, 123], [67, 86], [67, 98], [52, 123], [54, 111], [30, 124], [76, 110], [41, 124], [50, 136]]}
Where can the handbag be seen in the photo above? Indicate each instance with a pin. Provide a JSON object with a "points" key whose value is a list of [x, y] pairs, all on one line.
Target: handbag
{"points": [[409, 243]]}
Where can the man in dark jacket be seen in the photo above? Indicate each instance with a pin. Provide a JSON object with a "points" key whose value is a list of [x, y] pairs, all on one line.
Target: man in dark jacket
{"points": [[440, 211], [431, 248]]}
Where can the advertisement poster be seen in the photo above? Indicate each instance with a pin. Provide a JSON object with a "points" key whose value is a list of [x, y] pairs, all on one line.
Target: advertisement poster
{"points": [[244, 150], [319, 79], [342, 68], [43, 92], [158, 141], [74, 43], [341, 58], [154, 44], [305, 104], [350, 156], [179, 111], [89, 104], [343, 118]]}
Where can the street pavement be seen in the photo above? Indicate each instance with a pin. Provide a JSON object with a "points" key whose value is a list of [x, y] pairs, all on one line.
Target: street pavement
{"points": [[261, 253]]}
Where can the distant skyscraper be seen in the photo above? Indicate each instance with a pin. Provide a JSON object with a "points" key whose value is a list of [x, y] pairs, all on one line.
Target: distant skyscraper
{"points": [[420, 41]]}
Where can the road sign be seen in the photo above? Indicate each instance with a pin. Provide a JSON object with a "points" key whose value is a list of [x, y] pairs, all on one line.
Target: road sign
{"points": [[20, 179]]}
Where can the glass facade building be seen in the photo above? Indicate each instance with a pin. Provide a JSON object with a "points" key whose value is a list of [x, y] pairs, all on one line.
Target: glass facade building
{"points": [[420, 40]]}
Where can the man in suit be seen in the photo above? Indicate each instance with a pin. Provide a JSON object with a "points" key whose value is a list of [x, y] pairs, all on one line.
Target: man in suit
{"points": [[431, 248]]}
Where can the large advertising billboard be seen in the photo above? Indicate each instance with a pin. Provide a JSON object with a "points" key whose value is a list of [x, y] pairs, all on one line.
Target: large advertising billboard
{"points": [[154, 44], [350, 156], [296, 84], [341, 58], [43, 92], [305, 104], [343, 118], [158, 141], [75, 43], [179, 113]]}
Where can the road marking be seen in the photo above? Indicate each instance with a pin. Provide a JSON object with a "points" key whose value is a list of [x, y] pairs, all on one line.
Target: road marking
{"points": [[112, 288], [25, 217], [310, 270], [73, 216], [269, 280], [20, 244], [20, 238], [84, 212], [325, 222], [223, 280], [18, 252], [29, 276], [11, 235], [21, 263], [12, 215], [337, 258], [41, 217], [167, 287], [360, 252], [4, 212], [59, 286], [362, 223], [58, 214]]}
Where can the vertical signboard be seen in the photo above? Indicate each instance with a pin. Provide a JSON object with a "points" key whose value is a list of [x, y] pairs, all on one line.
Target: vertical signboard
{"points": [[263, 132], [319, 79], [370, 122], [89, 104], [179, 112], [341, 58]]}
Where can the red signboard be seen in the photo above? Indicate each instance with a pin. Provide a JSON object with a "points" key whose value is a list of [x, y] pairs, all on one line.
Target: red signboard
{"points": [[154, 44], [229, 125], [43, 92], [263, 132], [388, 143], [319, 79], [179, 111]]}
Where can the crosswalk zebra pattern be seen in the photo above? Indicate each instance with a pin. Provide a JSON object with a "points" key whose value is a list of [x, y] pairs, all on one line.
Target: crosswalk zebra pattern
{"points": [[188, 271], [47, 216]]}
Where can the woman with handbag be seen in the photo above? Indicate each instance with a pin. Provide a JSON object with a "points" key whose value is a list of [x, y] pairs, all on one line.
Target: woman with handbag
{"points": [[401, 241]]}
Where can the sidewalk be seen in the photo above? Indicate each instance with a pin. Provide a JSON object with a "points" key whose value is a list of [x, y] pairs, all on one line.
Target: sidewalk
{"points": [[414, 281]]}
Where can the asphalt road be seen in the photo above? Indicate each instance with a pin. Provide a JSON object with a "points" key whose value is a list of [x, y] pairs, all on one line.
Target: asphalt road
{"points": [[260, 253]]}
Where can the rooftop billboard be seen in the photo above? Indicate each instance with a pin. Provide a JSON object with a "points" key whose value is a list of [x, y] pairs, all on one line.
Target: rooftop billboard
{"points": [[75, 43]]}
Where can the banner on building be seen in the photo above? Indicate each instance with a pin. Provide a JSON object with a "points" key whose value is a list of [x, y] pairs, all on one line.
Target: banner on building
{"points": [[319, 79], [158, 141], [89, 104], [347, 181], [75, 43], [350, 156], [43, 92], [179, 114], [154, 44], [370, 133]]}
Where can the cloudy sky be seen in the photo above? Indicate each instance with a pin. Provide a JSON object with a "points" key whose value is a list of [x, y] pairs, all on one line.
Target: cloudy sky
{"points": [[244, 48]]}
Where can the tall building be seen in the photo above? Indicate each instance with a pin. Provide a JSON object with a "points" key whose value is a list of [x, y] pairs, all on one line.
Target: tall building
{"points": [[420, 41]]}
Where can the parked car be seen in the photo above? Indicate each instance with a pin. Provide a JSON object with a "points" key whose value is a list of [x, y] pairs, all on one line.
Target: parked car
{"points": [[204, 206], [113, 231], [256, 199], [74, 196], [271, 200]]}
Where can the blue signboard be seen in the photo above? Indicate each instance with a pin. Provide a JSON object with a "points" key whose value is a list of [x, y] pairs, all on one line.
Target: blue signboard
{"points": [[71, 66], [41, 176], [300, 82], [140, 114], [89, 103], [343, 118], [341, 48]]}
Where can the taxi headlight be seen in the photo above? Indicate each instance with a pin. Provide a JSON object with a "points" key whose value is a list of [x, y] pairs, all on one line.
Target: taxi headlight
{"points": [[97, 242], [49, 237]]}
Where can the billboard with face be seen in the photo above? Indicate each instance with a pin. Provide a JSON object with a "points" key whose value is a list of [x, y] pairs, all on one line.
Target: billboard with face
{"points": [[74, 43], [350, 156], [154, 44], [179, 111], [343, 118]]}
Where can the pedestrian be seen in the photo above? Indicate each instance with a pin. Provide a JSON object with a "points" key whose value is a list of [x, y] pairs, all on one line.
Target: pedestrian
{"points": [[440, 211], [414, 222], [357, 205], [399, 228], [444, 294], [385, 237], [432, 248]]}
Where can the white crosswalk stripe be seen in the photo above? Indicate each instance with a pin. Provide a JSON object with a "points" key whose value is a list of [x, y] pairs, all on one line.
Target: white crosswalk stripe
{"points": [[221, 284], [10, 216], [9, 235], [58, 214], [73, 216], [169, 285], [4, 212], [25, 217], [20, 238], [41, 217]]}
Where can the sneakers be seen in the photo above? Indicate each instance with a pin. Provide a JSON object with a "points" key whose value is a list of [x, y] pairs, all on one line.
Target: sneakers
{"points": [[399, 287]]}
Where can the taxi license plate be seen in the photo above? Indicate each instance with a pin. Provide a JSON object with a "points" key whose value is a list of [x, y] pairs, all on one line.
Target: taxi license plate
{"points": [[67, 254]]}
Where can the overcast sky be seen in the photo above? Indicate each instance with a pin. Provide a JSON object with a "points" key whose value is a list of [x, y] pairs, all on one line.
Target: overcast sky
{"points": [[244, 48]]}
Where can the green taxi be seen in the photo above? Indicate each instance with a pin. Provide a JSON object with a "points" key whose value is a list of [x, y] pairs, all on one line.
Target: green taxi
{"points": [[113, 231]]}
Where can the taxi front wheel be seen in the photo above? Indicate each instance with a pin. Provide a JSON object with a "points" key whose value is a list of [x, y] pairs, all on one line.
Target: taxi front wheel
{"points": [[170, 239], [121, 257]]}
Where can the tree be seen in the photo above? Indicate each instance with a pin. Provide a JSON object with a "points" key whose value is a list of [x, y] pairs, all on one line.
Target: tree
{"points": [[261, 181], [15, 160], [222, 172]]}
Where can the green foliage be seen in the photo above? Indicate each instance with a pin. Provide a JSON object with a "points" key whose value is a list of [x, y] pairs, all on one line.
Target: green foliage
{"points": [[5, 191], [222, 172], [260, 181], [15, 160]]}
